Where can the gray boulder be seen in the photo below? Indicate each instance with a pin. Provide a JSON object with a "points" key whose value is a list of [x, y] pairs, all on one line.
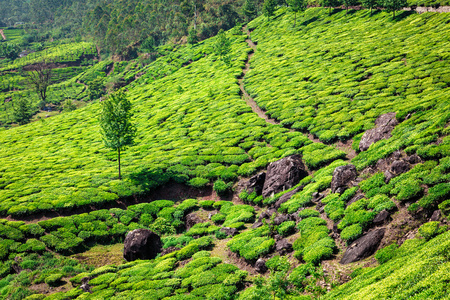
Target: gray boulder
{"points": [[283, 247], [363, 247], [342, 178], [384, 125], [141, 244], [399, 167], [256, 183], [283, 174], [381, 218], [229, 231], [260, 266], [286, 197]]}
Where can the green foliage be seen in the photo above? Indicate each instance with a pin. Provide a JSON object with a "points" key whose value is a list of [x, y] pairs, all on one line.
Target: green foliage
{"points": [[314, 244], [115, 120], [222, 47], [269, 7], [220, 187], [431, 229], [308, 212], [54, 279], [252, 244], [286, 228], [394, 5], [351, 233], [385, 254]]}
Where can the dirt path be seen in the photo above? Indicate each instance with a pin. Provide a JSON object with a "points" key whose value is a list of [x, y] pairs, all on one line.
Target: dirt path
{"points": [[248, 99], [2, 34]]}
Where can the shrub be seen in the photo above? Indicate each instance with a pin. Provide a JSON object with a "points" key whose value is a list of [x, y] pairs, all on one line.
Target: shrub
{"points": [[308, 212], [385, 254], [198, 182], [219, 218], [206, 204], [187, 251], [286, 228], [431, 229], [54, 279], [351, 233], [220, 187]]}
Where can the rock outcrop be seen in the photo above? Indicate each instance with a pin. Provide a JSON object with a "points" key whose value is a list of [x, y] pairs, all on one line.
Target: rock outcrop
{"points": [[363, 247], [342, 178], [384, 125], [256, 183], [141, 244], [283, 247], [283, 174]]}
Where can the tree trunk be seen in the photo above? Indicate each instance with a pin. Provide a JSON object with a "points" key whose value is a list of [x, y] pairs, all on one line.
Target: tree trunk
{"points": [[295, 18], [118, 152]]}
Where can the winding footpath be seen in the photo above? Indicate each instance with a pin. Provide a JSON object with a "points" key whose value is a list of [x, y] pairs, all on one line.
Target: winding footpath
{"points": [[248, 99], [2, 34]]}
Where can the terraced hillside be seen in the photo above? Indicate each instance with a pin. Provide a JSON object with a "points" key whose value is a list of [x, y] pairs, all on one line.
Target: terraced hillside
{"points": [[328, 85]]}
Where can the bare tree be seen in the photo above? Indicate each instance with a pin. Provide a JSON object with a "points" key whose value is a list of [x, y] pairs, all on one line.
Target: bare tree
{"points": [[39, 76]]}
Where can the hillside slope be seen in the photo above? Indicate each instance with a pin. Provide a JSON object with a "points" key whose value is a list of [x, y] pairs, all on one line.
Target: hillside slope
{"points": [[325, 85]]}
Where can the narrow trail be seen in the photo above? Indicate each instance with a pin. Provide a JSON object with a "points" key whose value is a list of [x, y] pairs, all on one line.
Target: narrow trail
{"points": [[248, 99], [346, 147], [2, 34]]}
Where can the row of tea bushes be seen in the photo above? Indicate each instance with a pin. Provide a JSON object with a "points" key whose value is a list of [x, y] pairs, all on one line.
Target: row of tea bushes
{"points": [[316, 79], [314, 244], [64, 53], [193, 127], [417, 269], [202, 277]]}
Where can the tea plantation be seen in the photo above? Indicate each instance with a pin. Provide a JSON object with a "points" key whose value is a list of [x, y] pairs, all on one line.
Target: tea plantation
{"points": [[326, 82]]}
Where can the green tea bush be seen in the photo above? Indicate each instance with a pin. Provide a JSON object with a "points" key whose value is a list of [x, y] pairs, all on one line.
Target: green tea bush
{"points": [[286, 228], [385, 254], [351, 233], [54, 279], [431, 229], [314, 244], [252, 244], [308, 212]]}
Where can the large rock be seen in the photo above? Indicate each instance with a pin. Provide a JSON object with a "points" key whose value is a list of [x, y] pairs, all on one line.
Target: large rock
{"points": [[286, 197], [141, 244], [363, 247], [342, 178], [283, 247], [381, 218], [399, 167], [256, 183], [283, 174], [384, 125], [260, 266], [191, 220], [229, 231]]}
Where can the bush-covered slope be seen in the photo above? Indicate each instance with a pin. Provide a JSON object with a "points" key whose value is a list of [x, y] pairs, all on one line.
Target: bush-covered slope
{"points": [[334, 75], [331, 77]]}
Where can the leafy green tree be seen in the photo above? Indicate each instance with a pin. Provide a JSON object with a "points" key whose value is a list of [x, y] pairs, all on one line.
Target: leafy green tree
{"points": [[96, 88], [348, 3], [249, 9], [394, 5], [22, 110], [192, 37], [295, 6], [269, 7], [9, 50], [115, 121], [222, 47], [369, 4]]}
